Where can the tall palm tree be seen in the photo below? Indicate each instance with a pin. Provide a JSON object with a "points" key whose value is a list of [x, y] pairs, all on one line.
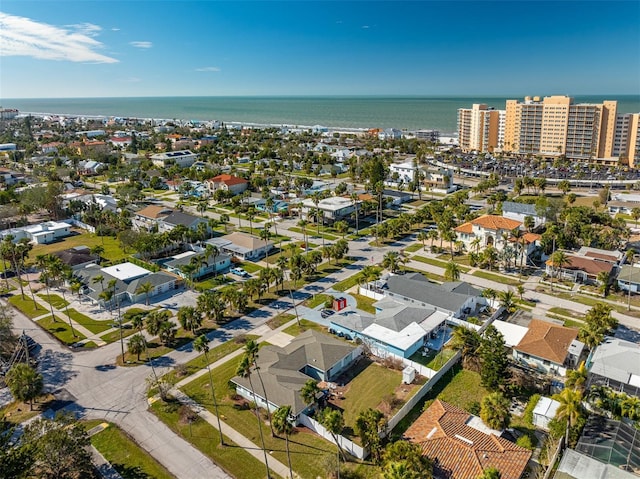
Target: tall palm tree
{"points": [[559, 259], [333, 421], [201, 344], [302, 224], [282, 425], [251, 349], [507, 301], [43, 262], [98, 279], [146, 289], [244, 371], [391, 261], [570, 406], [354, 199], [265, 234], [309, 392]]}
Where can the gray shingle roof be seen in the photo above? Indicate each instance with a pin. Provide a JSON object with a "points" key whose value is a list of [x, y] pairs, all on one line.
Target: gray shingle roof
{"points": [[419, 289], [281, 368], [180, 218], [616, 359], [519, 208]]}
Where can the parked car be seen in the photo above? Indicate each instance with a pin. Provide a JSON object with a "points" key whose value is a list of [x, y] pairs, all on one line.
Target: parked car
{"points": [[325, 313], [239, 272]]}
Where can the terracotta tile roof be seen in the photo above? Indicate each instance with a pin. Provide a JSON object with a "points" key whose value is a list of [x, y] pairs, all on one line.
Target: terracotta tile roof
{"points": [[465, 228], [547, 341], [154, 211], [463, 452], [495, 222], [528, 238], [365, 197], [228, 179], [605, 257], [590, 266]]}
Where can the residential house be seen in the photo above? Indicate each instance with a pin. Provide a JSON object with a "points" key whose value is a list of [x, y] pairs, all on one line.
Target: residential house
{"points": [[180, 218], [396, 198], [43, 233], [456, 299], [128, 279], [462, 447], [77, 257], [208, 266], [616, 363], [519, 211], [147, 218], [586, 264], [225, 182], [242, 246], [284, 371], [492, 230], [90, 167], [629, 278], [397, 327], [333, 209], [405, 173], [549, 348], [181, 158]]}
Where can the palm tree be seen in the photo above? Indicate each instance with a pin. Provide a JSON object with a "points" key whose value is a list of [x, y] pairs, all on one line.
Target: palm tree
{"points": [[201, 344], [146, 289], [576, 378], [558, 259], [302, 224], [136, 345], [43, 262], [391, 261], [251, 349], [282, 425], [354, 200], [508, 301], [468, 342], [244, 371], [452, 271], [423, 237], [494, 410], [399, 470], [190, 318], [309, 392], [333, 421], [630, 407], [490, 473], [265, 234], [251, 214], [570, 406]]}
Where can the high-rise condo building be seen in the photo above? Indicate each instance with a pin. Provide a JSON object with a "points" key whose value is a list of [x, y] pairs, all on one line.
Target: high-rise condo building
{"points": [[552, 127], [479, 128]]}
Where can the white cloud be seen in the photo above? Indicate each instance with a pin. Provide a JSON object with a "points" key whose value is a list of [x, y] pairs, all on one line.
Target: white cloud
{"points": [[208, 69], [141, 44], [88, 29], [115, 29], [365, 26], [20, 36]]}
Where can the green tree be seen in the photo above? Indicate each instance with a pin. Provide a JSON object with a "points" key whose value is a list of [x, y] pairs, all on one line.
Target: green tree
{"points": [[333, 421], [368, 426], [490, 473], [282, 425], [598, 323], [400, 470], [508, 301], [59, 448], [146, 289], [452, 271], [201, 344], [25, 383], [635, 214], [570, 408], [189, 318], [467, 341], [135, 345], [494, 411], [309, 392], [494, 371], [410, 455]]}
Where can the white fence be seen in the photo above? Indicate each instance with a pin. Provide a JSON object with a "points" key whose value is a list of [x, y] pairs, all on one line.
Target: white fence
{"points": [[80, 224], [347, 445], [369, 293], [415, 399]]}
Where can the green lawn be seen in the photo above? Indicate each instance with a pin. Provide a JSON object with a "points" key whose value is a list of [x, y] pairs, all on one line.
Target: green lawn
{"points": [[93, 325], [129, 459], [496, 277], [413, 248], [365, 304], [566, 312], [367, 389], [307, 450], [233, 459], [112, 250], [317, 300], [279, 320], [198, 363], [60, 330], [55, 300], [250, 267], [434, 360], [295, 330], [27, 306], [347, 283], [458, 386], [437, 262]]}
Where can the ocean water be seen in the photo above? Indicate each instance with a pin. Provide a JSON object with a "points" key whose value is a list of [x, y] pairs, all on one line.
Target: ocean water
{"points": [[343, 112]]}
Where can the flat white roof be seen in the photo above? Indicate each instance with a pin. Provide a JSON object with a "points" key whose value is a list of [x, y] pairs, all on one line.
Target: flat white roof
{"points": [[126, 271], [402, 340], [546, 407], [184, 255], [329, 204], [512, 333]]}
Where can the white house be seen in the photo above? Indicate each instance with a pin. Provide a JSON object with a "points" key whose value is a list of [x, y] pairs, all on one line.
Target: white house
{"points": [[519, 211], [182, 158], [242, 246], [493, 230], [149, 217], [42, 233], [333, 209], [549, 348], [230, 183]]}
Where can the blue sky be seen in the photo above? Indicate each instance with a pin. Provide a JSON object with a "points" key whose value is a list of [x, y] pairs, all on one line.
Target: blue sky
{"points": [[168, 48]]}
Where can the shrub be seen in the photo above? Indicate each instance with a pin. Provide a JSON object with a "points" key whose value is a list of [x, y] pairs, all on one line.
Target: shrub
{"points": [[393, 363], [527, 416], [474, 408], [525, 441]]}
